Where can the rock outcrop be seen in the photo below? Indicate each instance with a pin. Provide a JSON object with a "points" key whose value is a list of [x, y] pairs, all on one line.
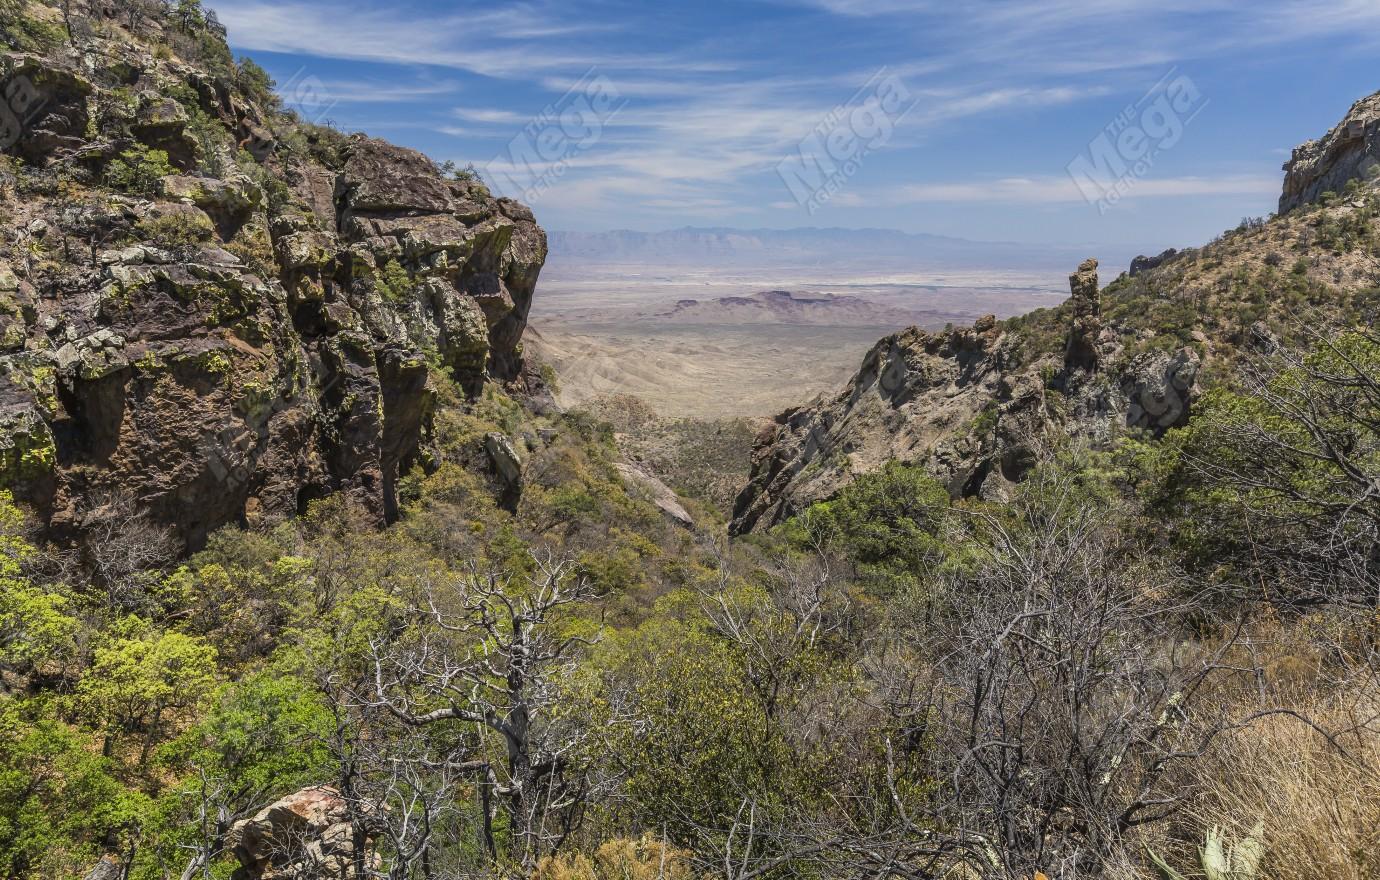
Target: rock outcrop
{"points": [[1081, 353], [1142, 263], [1351, 151], [642, 482], [309, 835], [977, 407], [918, 397], [971, 405], [258, 328]]}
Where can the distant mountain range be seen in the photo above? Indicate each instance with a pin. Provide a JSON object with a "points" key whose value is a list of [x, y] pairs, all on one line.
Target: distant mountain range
{"points": [[804, 247]]}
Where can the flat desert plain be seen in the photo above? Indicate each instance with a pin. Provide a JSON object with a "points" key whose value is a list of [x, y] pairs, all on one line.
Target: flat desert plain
{"points": [[724, 343]]}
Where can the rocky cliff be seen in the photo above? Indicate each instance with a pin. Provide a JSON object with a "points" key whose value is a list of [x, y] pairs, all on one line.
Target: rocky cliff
{"points": [[1351, 151], [215, 308], [977, 406], [970, 403]]}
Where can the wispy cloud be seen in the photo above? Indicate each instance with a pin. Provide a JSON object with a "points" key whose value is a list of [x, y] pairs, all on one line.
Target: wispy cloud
{"points": [[714, 101]]}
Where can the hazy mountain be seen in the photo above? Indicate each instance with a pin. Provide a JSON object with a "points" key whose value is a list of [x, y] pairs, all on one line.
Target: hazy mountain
{"points": [[822, 247]]}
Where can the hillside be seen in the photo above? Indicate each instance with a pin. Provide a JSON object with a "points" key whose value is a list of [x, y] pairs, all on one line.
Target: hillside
{"points": [[303, 575], [978, 406], [216, 310]]}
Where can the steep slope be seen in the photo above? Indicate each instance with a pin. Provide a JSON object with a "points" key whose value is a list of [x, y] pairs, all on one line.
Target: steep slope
{"points": [[976, 405], [212, 307]]}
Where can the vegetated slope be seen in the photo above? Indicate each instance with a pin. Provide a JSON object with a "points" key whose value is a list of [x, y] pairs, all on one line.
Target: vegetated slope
{"points": [[212, 309], [976, 405], [1157, 661]]}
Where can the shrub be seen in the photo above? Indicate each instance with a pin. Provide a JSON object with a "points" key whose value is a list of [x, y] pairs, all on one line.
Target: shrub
{"points": [[139, 170], [179, 230]]}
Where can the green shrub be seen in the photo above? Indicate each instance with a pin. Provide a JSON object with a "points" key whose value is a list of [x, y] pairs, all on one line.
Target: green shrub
{"points": [[177, 230], [139, 170]]}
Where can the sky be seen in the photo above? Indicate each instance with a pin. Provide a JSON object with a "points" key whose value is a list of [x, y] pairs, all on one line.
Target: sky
{"points": [[1129, 124]]}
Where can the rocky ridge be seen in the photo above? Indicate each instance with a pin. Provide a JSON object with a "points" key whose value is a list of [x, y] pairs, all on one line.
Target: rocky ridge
{"points": [[978, 405], [1350, 151], [217, 309]]}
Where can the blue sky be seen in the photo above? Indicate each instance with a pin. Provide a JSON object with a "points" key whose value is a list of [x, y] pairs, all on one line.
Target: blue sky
{"points": [[685, 112]]}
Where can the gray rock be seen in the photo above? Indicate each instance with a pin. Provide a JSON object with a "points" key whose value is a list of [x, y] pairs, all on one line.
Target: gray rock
{"points": [[1350, 151], [642, 482]]}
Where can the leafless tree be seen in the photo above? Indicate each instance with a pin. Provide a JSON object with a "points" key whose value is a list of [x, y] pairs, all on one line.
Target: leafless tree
{"points": [[1302, 457], [485, 657], [123, 548], [1065, 691]]}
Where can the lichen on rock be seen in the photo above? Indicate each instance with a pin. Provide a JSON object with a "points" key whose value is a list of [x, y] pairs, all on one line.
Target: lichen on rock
{"points": [[251, 331]]}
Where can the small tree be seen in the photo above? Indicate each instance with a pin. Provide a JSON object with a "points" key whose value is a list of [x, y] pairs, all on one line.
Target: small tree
{"points": [[486, 658]]}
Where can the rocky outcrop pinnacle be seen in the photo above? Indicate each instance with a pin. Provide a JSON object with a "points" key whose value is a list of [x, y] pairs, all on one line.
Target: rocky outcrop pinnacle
{"points": [[978, 407], [971, 406], [1081, 353]]}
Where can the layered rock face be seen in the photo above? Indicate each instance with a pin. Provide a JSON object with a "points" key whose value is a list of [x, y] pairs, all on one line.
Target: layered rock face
{"points": [[970, 406], [1351, 151], [258, 328]]}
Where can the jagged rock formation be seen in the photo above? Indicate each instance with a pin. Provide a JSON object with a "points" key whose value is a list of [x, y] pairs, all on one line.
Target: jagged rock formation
{"points": [[1351, 151], [308, 835], [1143, 263], [1081, 353], [977, 406], [244, 324], [968, 404]]}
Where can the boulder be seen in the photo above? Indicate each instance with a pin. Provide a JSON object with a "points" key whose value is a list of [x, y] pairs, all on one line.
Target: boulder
{"points": [[1159, 388], [380, 177], [643, 483], [309, 835]]}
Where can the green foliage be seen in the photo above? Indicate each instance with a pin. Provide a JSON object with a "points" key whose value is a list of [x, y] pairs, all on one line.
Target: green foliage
{"points": [[60, 800], [139, 681], [264, 736], [1289, 462], [393, 282], [704, 741], [25, 33], [178, 231], [139, 170], [890, 521], [37, 626], [255, 84]]}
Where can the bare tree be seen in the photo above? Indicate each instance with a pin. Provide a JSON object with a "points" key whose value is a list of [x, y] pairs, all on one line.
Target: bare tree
{"points": [[1300, 450], [123, 548], [485, 656]]}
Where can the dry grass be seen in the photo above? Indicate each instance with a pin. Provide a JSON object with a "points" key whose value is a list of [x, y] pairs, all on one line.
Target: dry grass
{"points": [[1318, 795], [621, 859]]}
